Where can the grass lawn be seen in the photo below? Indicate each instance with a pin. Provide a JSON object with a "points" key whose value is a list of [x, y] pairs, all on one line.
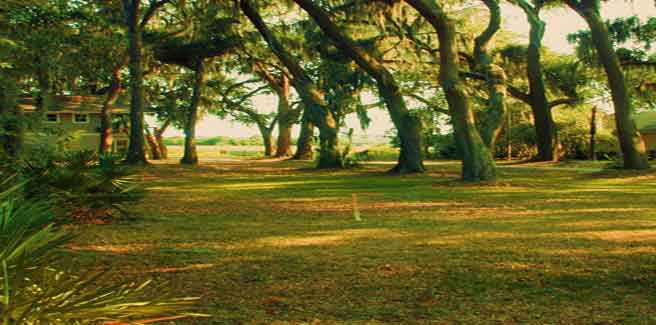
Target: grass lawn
{"points": [[275, 242]]}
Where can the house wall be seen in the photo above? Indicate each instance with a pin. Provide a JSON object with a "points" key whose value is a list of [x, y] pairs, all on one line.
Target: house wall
{"points": [[66, 122], [650, 141], [85, 136]]}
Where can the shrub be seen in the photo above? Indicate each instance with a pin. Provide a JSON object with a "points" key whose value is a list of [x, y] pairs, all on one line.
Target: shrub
{"points": [[377, 153], [32, 291], [84, 186]]}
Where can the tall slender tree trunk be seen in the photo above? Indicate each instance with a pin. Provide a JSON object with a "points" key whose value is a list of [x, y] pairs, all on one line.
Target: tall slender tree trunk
{"points": [[159, 139], [136, 154], [16, 133], [44, 100], [492, 118], [267, 140], [407, 125], [190, 153], [284, 144], [545, 128], [311, 96], [593, 134], [477, 162], [155, 154], [634, 151], [305, 139], [12, 119], [106, 111], [329, 155]]}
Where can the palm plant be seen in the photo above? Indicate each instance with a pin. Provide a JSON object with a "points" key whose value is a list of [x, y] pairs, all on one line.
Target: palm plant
{"points": [[32, 291]]}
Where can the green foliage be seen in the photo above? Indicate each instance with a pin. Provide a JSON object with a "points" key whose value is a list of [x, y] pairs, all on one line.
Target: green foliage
{"points": [[522, 140], [217, 141], [83, 186], [377, 153], [33, 292]]}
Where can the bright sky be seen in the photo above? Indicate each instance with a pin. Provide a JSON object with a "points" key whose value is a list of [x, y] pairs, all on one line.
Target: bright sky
{"points": [[560, 23]]}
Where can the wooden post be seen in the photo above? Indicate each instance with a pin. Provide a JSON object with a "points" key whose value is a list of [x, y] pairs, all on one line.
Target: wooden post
{"points": [[593, 134], [356, 210], [508, 134]]}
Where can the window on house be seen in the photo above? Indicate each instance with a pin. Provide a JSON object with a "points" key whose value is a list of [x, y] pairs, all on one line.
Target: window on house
{"points": [[81, 118], [121, 145], [52, 118]]}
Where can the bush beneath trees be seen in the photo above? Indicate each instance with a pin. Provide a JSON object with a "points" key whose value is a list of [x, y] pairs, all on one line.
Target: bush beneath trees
{"points": [[83, 186], [33, 290]]}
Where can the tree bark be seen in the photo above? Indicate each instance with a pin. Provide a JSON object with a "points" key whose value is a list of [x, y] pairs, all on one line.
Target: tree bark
{"points": [[311, 96], [136, 154], [44, 100], [477, 162], [159, 139], [11, 119], [408, 126], [190, 156], [284, 144], [155, 154], [593, 134], [267, 139], [106, 111], [495, 78], [545, 128], [634, 152], [305, 139]]}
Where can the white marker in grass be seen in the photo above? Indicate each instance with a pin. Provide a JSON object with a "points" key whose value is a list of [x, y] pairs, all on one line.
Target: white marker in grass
{"points": [[356, 210]]}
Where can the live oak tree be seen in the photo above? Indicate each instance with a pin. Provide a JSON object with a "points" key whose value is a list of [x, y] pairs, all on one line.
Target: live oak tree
{"points": [[408, 126], [311, 95], [209, 37], [544, 125], [36, 40], [633, 147], [136, 21], [102, 57], [477, 161], [234, 99], [491, 118], [286, 117], [266, 67]]}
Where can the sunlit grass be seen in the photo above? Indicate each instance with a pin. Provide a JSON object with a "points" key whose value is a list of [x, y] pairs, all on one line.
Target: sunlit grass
{"points": [[275, 241]]}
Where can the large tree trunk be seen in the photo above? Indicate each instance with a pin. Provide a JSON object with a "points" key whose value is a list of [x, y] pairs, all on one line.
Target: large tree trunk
{"points": [[190, 154], [634, 151], [106, 111], [159, 139], [311, 96], [408, 126], [478, 164], [545, 128], [136, 154], [329, 155], [155, 154], [492, 118], [592, 155], [267, 140], [12, 119], [15, 133], [44, 100], [284, 144], [266, 132], [305, 139]]}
